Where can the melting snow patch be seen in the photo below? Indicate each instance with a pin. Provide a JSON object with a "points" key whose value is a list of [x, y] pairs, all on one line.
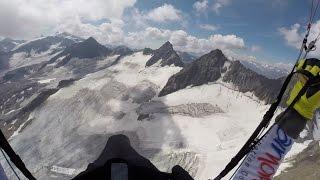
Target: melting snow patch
{"points": [[62, 170], [45, 81]]}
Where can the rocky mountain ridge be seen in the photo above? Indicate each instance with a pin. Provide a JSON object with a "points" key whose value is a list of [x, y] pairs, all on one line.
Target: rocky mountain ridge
{"points": [[165, 56], [215, 65], [89, 48], [113, 91], [57, 42]]}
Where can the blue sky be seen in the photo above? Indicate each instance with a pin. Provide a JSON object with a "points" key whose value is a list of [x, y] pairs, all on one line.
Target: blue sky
{"points": [[265, 30], [256, 21]]}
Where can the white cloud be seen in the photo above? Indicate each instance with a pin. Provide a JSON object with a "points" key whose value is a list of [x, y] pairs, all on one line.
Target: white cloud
{"points": [[25, 19], [149, 37], [179, 38], [218, 4], [291, 35], [294, 35], [182, 41], [136, 19], [110, 33], [200, 6], [164, 13], [227, 41], [209, 27], [21, 19]]}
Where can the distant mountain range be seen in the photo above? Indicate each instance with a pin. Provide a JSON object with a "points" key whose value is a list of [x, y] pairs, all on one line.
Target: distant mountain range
{"points": [[62, 94], [63, 48], [272, 71], [186, 57], [59, 41], [7, 44]]}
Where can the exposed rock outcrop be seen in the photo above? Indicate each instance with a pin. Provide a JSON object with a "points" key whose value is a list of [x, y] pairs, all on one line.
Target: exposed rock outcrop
{"points": [[166, 56], [213, 66], [89, 48], [207, 68], [247, 80]]}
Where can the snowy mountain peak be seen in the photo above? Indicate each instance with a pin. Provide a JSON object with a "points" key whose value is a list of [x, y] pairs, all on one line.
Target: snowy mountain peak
{"points": [[68, 36], [165, 56], [7, 44], [167, 45], [216, 51], [272, 71], [215, 56], [55, 43], [207, 68], [89, 48], [91, 40], [214, 66]]}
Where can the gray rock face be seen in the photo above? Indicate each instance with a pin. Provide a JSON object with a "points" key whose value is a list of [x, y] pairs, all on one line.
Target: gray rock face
{"points": [[207, 68], [12, 94], [89, 48], [4, 60], [247, 80], [166, 55], [210, 68]]}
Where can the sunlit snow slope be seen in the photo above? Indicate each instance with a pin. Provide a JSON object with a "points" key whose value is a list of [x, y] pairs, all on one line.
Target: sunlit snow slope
{"points": [[199, 128]]}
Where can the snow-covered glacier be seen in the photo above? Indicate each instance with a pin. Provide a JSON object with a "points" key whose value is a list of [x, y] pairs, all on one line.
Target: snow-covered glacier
{"points": [[199, 128]]}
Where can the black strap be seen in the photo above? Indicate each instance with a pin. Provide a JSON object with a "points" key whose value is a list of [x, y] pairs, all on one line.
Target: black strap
{"points": [[4, 144]]}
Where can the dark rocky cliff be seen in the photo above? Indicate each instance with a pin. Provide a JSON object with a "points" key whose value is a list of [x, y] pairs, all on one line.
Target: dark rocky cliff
{"points": [[207, 68], [166, 55], [212, 66]]}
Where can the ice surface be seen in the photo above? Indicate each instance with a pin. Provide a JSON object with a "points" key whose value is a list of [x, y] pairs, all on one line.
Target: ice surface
{"points": [[45, 81], [22, 59], [71, 128]]}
